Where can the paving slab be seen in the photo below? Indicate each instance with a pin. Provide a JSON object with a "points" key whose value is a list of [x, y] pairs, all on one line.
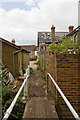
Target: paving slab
{"points": [[40, 107]]}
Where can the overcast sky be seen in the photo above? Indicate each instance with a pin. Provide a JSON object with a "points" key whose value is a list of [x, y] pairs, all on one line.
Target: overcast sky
{"points": [[22, 19]]}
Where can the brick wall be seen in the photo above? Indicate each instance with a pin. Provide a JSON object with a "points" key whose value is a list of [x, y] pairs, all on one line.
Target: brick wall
{"points": [[68, 78], [25, 60], [32, 54], [51, 68], [65, 69], [7, 58]]}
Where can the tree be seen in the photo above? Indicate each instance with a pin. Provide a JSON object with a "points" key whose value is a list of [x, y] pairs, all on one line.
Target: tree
{"points": [[65, 46]]}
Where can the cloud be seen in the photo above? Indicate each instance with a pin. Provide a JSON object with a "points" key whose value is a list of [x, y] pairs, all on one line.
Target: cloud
{"points": [[23, 25], [13, 0], [30, 3], [39, 0]]}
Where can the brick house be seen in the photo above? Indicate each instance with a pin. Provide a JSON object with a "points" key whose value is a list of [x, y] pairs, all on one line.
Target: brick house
{"points": [[31, 49], [75, 34], [13, 57]]}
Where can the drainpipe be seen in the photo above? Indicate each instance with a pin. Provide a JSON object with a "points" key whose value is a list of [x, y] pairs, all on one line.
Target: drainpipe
{"points": [[13, 61]]}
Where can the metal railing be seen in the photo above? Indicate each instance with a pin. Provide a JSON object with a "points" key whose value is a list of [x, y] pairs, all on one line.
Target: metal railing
{"points": [[9, 110], [76, 116]]}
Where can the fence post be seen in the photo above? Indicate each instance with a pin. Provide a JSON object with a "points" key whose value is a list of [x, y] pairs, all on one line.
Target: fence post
{"points": [[25, 86]]}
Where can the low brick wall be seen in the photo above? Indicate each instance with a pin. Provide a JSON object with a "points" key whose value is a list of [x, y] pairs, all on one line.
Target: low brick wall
{"points": [[65, 69]]}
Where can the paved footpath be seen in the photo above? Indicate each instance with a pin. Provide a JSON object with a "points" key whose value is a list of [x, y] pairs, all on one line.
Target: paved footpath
{"points": [[39, 104]]}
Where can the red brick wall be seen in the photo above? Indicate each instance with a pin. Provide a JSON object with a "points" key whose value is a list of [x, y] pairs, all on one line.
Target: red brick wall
{"points": [[51, 68], [68, 78], [65, 69]]}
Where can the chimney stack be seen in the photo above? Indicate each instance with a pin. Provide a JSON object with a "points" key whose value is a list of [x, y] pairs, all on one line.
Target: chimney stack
{"points": [[70, 28], [53, 34], [13, 41]]}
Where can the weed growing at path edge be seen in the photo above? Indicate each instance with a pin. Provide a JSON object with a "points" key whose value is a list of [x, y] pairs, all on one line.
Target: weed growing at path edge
{"points": [[42, 73]]}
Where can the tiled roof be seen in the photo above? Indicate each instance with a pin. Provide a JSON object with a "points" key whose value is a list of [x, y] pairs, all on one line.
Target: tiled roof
{"points": [[45, 37], [59, 35], [29, 47]]}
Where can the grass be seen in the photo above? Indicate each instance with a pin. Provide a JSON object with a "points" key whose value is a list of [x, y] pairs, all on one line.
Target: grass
{"points": [[42, 73]]}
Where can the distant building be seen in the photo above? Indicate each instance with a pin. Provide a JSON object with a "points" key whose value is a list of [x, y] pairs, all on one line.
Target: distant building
{"points": [[15, 58], [45, 38], [31, 49]]}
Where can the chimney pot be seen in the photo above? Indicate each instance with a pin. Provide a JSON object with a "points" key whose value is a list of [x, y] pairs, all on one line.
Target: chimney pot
{"points": [[13, 41], [52, 27], [71, 28]]}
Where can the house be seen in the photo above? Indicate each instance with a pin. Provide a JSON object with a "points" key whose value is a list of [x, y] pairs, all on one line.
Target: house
{"points": [[45, 38], [15, 58], [31, 49], [75, 34]]}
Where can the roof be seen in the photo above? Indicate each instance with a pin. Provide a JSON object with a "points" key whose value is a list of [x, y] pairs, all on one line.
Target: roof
{"points": [[74, 31], [59, 35], [45, 37], [13, 45], [29, 47], [9, 43]]}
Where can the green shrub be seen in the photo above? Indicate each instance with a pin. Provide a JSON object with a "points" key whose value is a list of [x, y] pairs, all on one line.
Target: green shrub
{"points": [[31, 70], [65, 46], [18, 109], [7, 97], [35, 57], [7, 94]]}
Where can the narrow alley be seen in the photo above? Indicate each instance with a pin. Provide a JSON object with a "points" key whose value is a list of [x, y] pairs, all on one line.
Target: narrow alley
{"points": [[39, 105]]}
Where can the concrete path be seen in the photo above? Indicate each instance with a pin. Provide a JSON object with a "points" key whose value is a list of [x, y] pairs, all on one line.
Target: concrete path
{"points": [[39, 104]]}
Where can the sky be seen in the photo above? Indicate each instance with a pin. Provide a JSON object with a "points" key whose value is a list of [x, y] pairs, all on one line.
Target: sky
{"points": [[23, 19]]}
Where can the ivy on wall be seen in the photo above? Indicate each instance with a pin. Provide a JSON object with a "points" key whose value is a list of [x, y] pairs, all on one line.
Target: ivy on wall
{"points": [[65, 46]]}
